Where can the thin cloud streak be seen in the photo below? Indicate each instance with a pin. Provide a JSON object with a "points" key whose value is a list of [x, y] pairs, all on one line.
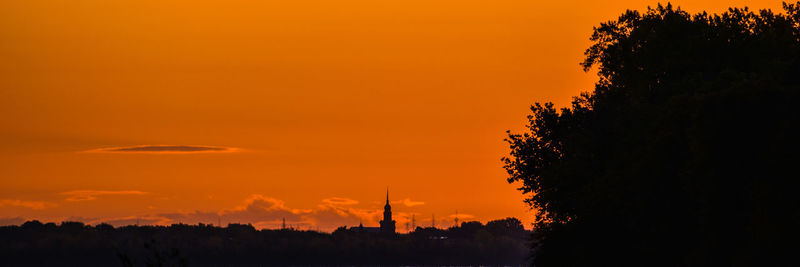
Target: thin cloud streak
{"points": [[87, 195], [36, 205], [408, 202], [165, 149], [339, 201]]}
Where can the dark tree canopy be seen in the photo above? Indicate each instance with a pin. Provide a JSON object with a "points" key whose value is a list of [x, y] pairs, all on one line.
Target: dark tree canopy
{"points": [[684, 152]]}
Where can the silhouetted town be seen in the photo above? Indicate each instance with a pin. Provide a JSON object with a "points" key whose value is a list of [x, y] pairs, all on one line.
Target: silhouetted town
{"points": [[498, 242]]}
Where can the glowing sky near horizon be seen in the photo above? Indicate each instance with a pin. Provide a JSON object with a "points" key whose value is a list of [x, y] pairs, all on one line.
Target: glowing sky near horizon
{"points": [[252, 111]]}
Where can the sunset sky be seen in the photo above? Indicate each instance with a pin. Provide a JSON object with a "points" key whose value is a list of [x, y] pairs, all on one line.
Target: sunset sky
{"points": [[296, 109]]}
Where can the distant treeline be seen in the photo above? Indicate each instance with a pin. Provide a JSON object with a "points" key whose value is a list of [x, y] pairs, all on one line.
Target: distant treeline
{"points": [[500, 242]]}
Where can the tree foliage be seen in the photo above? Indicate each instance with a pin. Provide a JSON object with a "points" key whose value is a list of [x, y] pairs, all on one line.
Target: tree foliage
{"points": [[681, 155]]}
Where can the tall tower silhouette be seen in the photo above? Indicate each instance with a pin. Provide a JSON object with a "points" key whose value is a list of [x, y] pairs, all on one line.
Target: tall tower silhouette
{"points": [[387, 224]]}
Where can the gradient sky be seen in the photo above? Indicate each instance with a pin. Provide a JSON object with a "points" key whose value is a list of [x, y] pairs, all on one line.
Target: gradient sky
{"points": [[296, 109]]}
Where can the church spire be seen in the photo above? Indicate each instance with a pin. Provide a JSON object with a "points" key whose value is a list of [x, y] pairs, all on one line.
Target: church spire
{"points": [[387, 207], [387, 224]]}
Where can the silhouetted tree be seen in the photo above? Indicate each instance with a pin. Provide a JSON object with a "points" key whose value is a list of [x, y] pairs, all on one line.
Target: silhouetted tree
{"points": [[682, 154], [505, 227]]}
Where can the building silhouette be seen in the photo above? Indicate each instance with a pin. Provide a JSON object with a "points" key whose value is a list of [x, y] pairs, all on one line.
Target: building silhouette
{"points": [[387, 224]]}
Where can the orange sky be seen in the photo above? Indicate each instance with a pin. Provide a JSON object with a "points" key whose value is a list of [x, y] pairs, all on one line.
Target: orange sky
{"points": [[321, 105]]}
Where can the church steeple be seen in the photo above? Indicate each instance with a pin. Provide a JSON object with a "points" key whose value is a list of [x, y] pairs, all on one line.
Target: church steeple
{"points": [[387, 206], [387, 224]]}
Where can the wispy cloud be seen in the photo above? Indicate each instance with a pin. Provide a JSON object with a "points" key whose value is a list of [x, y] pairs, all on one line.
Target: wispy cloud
{"points": [[258, 207], [408, 202], [86, 195], [340, 201], [36, 205], [165, 149]]}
